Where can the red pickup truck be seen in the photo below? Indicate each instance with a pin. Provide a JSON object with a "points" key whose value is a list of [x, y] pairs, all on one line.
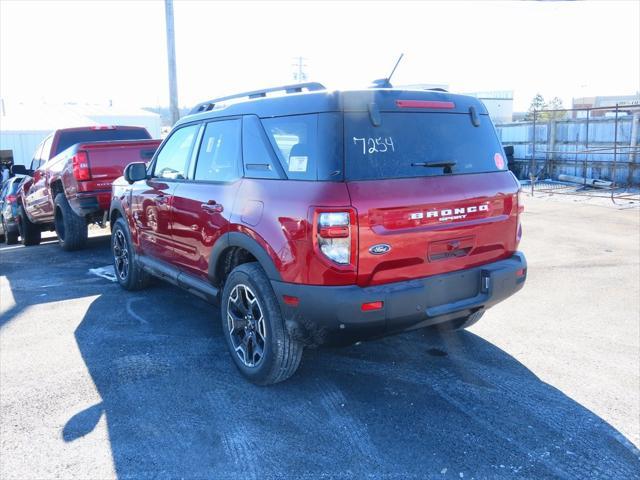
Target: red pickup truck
{"points": [[70, 180]]}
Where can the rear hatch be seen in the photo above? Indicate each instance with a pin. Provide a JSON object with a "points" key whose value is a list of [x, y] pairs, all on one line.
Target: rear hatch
{"points": [[427, 176]]}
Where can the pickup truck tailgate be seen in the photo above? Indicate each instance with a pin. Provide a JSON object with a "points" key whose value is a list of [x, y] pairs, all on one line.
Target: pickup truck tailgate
{"points": [[107, 160]]}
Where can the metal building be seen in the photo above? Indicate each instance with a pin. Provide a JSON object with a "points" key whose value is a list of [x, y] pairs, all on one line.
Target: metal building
{"points": [[23, 127]]}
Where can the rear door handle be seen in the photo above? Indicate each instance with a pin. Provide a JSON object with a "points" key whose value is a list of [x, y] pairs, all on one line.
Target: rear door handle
{"points": [[212, 206]]}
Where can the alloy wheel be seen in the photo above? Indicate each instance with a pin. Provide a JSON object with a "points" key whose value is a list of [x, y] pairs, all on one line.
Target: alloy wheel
{"points": [[121, 255], [246, 324]]}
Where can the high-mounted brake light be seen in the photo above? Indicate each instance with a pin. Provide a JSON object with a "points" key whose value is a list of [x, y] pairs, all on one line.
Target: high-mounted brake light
{"points": [[80, 162], [103, 127], [425, 104], [335, 237]]}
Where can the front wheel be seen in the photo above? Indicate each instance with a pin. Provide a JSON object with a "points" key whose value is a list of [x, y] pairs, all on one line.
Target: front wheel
{"points": [[129, 274], [258, 341]]}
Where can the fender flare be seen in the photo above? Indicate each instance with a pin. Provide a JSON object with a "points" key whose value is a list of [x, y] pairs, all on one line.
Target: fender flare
{"points": [[236, 239], [116, 206]]}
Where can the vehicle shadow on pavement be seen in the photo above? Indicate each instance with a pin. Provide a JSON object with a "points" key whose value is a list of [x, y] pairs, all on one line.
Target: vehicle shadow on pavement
{"points": [[414, 405], [55, 267]]}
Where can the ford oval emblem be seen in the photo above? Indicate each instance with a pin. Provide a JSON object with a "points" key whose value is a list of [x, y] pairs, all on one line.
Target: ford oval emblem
{"points": [[379, 249]]}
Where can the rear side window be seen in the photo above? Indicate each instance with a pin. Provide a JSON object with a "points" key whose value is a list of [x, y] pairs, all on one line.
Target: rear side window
{"points": [[171, 162], [70, 138], [309, 147], [406, 143], [219, 155], [46, 149], [259, 158], [13, 186]]}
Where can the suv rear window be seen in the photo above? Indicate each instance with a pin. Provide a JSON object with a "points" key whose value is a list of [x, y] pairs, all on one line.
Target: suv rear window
{"points": [[405, 139], [81, 136], [309, 147]]}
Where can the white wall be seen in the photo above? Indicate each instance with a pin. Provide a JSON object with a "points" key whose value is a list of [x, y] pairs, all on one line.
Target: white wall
{"points": [[150, 122], [23, 144]]}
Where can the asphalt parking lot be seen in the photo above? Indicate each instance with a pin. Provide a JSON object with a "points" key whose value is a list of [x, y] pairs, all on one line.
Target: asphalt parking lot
{"points": [[96, 382]]}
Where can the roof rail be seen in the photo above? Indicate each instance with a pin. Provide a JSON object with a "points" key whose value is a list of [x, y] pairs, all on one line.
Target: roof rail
{"points": [[294, 88]]}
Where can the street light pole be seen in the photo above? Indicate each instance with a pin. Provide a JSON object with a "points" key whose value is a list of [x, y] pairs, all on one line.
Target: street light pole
{"points": [[171, 60]]}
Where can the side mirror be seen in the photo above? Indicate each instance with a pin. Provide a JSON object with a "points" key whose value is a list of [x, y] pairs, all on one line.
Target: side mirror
{"points": [[134, 172], [21, 170]]}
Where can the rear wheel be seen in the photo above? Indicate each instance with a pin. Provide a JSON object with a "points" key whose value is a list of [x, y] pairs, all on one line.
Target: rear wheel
{"points": [[29, 232], [10, 238], [458, 323], [129, 274], [258, 341], [71, 229]]}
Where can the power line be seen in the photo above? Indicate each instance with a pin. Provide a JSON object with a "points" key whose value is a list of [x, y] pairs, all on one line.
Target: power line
{"points": [[299, 74]]}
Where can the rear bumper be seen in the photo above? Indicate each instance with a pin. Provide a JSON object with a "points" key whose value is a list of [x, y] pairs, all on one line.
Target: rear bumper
{"points": [[87, 203], [333, 315]]}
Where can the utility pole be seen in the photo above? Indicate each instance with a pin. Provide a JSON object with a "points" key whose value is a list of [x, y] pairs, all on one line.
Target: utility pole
{"points": [[171, 60], [299, 75]]}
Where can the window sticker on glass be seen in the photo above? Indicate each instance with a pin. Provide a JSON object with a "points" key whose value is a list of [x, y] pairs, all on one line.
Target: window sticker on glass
{"points": [[298, 163], [210, 144]]}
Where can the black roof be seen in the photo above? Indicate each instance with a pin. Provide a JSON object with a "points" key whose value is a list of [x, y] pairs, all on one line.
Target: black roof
{"points": [[316, 99]]}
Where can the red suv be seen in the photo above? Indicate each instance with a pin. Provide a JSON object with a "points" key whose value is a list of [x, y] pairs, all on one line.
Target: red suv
{"points": [[325, 217]]}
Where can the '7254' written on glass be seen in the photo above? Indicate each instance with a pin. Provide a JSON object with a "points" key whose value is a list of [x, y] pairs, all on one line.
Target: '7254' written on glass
{"points": [[375, 145]]}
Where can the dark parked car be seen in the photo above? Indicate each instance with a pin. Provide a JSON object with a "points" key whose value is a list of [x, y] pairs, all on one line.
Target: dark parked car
{"points": [[325, 217], [9, 209]]}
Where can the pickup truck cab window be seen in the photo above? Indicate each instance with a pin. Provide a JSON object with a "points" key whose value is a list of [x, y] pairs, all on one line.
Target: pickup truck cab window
{"points": [[35, 161], [219, 155], [46, 150], [171, 162]]}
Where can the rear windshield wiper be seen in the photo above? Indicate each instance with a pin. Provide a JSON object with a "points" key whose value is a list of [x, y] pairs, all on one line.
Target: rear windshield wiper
{"points": [[434, 164]]}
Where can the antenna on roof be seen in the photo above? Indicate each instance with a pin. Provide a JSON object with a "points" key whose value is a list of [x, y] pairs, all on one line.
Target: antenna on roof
{"points": [[386, 82]]}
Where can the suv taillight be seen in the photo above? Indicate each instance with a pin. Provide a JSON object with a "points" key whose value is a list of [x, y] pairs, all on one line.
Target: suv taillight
{"points": [[336, 236], [11, 198], [80, 163]]}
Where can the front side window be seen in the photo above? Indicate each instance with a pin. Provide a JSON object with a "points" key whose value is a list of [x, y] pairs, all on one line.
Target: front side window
{"points": [[220, 151], [171, 162]]}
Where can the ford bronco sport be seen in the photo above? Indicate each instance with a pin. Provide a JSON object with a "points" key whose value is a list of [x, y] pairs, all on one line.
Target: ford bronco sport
{"points": [[324, 217]]}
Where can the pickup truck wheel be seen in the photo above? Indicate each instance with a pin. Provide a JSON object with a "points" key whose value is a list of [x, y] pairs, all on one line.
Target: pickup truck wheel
{"points": [[258, 341], [71, 229], [129, 274], [30, 233]]}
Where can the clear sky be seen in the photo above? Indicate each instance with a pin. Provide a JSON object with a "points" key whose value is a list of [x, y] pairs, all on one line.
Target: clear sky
{"points": [[95, 51]]}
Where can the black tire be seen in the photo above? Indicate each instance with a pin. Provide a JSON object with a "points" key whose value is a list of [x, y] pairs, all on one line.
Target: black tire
{"points": [[71, 229], [11, 238], [30, 233], [130, 276], [281, 354], [458, 323]]}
